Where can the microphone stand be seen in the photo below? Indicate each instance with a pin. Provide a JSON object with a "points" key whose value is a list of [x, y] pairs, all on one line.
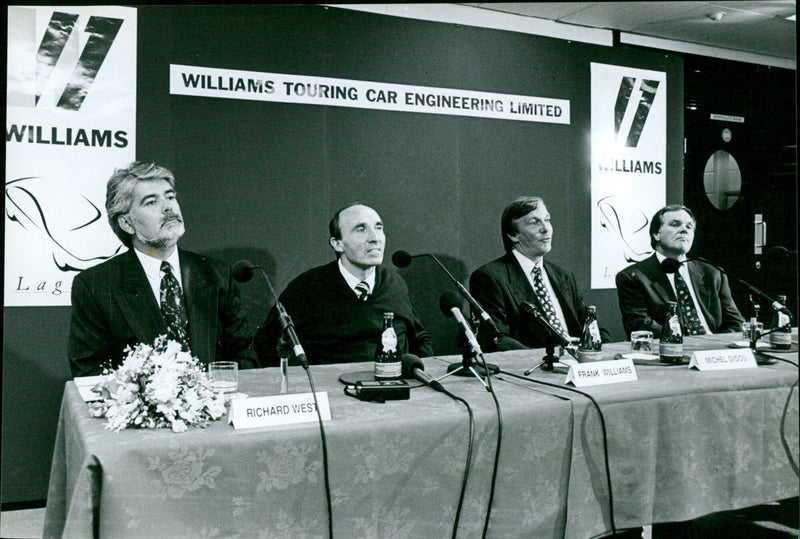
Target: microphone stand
{"points": [[467, 357], [243, 271], [550, 358]]}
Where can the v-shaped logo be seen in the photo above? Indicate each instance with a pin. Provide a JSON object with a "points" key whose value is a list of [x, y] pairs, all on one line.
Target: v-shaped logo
{"points": [[647, 93], [62, 33]]}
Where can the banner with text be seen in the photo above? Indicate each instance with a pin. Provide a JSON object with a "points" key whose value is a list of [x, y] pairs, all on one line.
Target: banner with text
{"points": [[277, 87], [629, 148], [70, 120]]}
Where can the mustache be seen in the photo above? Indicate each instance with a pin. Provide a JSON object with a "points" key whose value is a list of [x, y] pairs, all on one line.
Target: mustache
{"points": [[171, 217]]}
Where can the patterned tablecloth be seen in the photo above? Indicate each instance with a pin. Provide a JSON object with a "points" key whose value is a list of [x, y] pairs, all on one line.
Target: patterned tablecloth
{"points": [[681, 443]]}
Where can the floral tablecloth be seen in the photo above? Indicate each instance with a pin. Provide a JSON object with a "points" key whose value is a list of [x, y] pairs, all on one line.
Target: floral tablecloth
{"points": [[681, 444]]}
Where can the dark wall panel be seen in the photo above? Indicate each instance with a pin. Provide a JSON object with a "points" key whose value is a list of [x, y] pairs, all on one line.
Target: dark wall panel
{"points": [[260, 180]]}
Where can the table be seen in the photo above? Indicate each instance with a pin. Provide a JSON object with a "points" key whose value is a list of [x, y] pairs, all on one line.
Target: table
{"points": [[681, 444]]}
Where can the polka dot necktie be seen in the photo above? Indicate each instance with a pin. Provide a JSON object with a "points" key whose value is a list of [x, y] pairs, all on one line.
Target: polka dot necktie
{"points": [[362, 289], [688, 312], [544, 300], [172, 308]]}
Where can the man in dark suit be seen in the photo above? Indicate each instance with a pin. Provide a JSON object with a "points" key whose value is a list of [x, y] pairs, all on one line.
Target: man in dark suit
{"points": [[154, 288], [644, 288], [337, 308], [523, 275]]}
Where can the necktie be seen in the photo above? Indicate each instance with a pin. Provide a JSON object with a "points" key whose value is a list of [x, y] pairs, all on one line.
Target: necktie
{"points": [[362, 289], [172, 308], [544, 300], [686, 306]]}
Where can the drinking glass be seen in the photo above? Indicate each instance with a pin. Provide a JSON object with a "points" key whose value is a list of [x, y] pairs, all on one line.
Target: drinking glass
{"points": [[224, 376], [642, 341]]}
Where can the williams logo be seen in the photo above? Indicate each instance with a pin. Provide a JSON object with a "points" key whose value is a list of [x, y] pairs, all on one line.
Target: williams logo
{"points": [[58, 52], [646, 94]]}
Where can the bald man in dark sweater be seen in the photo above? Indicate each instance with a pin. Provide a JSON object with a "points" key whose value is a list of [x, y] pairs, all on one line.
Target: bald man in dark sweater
{"points": [[337, 309]]}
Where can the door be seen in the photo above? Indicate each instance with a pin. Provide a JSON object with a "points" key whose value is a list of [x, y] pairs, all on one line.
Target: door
{"points": [[740, 125]]}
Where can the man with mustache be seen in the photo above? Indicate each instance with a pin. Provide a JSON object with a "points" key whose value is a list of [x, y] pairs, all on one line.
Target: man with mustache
{"points": [[337, 309], [523, 275], [701, 291], [154, 288]]}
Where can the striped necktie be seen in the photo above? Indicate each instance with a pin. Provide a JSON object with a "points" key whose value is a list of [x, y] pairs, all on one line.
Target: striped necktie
{"points": [[172, 308], [362, 289]]}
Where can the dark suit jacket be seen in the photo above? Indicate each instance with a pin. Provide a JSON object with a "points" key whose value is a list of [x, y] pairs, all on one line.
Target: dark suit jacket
{"points": [[113, 306], [643, 289], [501, 286]]}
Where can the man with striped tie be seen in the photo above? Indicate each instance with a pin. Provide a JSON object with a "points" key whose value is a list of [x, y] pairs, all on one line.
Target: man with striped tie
{"points": [[704, 298], [337, 308], [523, 275]]}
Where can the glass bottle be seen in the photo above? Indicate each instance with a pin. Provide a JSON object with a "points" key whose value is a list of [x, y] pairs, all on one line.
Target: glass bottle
{"points": [[387, 361], [670, 347], [590, 343], [780, 339]]}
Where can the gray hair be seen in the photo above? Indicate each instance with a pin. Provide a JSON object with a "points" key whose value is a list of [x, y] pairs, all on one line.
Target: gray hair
{"points": [[119, 191]]}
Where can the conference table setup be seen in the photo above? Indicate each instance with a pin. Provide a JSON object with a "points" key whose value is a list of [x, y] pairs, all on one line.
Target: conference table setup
{"points": [[672, 444]]}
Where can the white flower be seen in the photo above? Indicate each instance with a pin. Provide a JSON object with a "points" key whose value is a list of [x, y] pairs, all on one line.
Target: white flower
{"points": [[157, 386]]}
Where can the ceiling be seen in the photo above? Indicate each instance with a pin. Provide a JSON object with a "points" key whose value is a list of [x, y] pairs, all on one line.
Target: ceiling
{"points": [[758, 27]]}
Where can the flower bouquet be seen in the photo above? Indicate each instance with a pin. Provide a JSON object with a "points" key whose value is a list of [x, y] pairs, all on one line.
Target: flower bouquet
{"points": [[155, 387]]}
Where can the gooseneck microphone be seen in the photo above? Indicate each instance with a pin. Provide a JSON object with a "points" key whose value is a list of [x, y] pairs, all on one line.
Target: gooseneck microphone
{"points": [[450, 304], [539, 316], [413, 367], [242, 272], [671, 265], [402, 259], [555, 336]]}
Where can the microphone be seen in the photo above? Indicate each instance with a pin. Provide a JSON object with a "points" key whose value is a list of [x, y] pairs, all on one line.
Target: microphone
{"points": [[450, 305], [413, 367], [537, 315], [402, 259], [242, 271], [671, 265]]}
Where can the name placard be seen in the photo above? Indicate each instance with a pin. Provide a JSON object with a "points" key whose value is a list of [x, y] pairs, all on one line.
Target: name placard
{"points": [[85, 385], [718, 360], [278, 410], [601, 372]]}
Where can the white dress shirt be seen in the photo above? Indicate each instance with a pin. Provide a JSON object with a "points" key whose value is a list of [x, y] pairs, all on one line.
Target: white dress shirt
{"points": [[152, 269], [352, 280], [527, 268]]}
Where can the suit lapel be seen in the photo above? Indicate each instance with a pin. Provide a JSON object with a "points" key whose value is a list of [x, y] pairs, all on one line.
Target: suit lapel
{"points": [[136, 301], [200, 298], [518, 284], [561, 285], [660, 280], [702, 287]]}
